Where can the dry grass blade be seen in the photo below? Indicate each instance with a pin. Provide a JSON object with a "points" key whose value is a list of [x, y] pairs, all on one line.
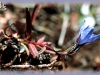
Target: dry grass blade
{"points": [[53, 58], [47, 65], [20, 66], [42, 50]]}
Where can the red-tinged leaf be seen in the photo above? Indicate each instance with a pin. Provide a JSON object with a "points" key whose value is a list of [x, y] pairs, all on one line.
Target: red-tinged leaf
{"points": [[62, 53], [48, 47], [51, 52], [28, 23], [33, 50], [46, 43], [41, 40], [18, 27], [35, 13]]}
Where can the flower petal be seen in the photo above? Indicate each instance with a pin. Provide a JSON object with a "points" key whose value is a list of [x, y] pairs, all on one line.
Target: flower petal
{"points": [[94, 37], [84, 25], [86, 35], [87, 31]]}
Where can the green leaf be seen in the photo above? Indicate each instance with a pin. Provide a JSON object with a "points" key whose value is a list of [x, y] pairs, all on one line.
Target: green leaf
{"points": [[57, 49]]}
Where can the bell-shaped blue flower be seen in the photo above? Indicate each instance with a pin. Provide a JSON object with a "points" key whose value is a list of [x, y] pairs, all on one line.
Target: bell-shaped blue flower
{"points": [[86, 35]]}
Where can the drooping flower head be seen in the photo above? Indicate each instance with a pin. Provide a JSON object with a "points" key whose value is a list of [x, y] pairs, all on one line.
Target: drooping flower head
{"points": [[85, 36]]}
